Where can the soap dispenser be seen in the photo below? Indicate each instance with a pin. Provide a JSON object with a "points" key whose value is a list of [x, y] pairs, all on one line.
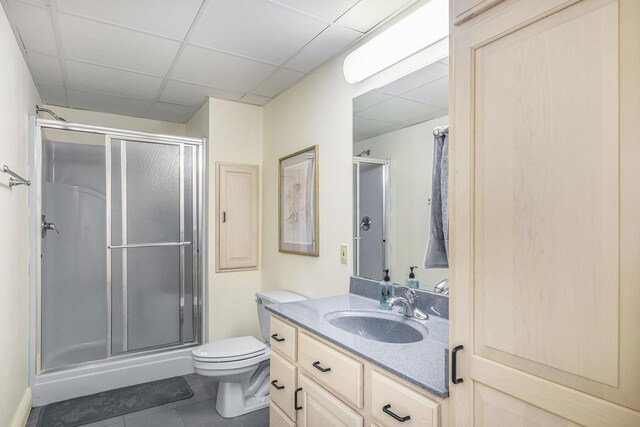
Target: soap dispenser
{"points": [[386, 291], [412, 282]]}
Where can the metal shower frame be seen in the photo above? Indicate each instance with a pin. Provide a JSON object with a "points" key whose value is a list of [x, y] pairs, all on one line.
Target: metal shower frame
{"points": [[198, 243]]}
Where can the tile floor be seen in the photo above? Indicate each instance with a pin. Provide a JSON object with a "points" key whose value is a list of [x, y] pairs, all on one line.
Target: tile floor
{"points": [[198, 411]]}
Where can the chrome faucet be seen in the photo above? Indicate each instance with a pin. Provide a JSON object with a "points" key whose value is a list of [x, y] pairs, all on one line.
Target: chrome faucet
{"points": [[442, 287], [409, 304]]}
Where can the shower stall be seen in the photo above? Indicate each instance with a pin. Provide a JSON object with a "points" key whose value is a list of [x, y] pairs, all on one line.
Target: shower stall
{"points": [[117, 248], [371, 215]]}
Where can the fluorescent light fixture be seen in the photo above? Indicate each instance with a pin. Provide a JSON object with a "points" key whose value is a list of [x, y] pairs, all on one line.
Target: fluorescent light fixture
{"points": [[415, 32]]}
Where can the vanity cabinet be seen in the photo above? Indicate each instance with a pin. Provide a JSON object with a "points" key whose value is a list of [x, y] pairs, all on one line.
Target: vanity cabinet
{"points": [[336, 388], [544, 202]]}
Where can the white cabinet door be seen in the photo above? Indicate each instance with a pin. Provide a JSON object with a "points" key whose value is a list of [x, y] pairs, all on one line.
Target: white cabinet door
{"points": [[545, 231], [237, 217], [321, 409]]}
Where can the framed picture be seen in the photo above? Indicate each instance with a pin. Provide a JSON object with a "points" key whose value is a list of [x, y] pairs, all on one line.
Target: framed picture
{"points": [[298, 203]]}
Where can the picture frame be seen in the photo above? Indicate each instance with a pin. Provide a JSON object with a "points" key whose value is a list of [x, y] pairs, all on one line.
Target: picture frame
{"points": [[298, 196]]}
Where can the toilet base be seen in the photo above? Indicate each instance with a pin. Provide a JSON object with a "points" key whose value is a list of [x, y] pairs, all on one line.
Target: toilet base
{"points": [[231, 401]]}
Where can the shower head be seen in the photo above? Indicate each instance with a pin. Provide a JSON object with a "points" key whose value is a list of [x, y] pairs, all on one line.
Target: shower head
{"points": [[46, 110]]}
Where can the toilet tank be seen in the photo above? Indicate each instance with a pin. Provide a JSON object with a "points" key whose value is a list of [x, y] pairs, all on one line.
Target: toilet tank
{"points": [[272, 297]]}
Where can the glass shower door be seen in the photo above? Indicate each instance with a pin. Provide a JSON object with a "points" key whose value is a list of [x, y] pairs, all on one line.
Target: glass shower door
{"points": [[150, 232]]}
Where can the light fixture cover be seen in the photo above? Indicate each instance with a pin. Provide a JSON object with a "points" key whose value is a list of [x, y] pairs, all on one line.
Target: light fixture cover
{"points": [[415, 32]]}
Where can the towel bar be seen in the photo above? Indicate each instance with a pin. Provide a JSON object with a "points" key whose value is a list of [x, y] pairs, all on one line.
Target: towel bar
{"points": [[15, 178]]}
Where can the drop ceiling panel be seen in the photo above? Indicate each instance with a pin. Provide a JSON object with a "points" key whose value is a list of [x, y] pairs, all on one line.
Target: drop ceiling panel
{"points": [[220, 70], [369, 99], [255, 29], [54, 95], [170, 112], [434, 93], [108, 103], [329, 10], [95, 78], [368, 13], [194, 95], [280, 80], [165, 17], [45, 69], [398, 110], [116, 47], [122, 56], [331, 41], [34, 26], [416, 79], [363, 126], [255, 99]]}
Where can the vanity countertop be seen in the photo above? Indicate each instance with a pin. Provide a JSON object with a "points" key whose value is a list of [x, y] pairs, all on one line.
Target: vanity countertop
{"points": [[421, 363]]}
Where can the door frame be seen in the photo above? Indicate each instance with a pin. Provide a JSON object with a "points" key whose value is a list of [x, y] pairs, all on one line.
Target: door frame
{"points": [[386, 211]]}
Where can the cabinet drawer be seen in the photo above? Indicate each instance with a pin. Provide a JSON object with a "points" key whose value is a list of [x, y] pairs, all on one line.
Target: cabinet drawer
{"points": [[283, 384], [283, 338], [423, 411], [337, 371], [277, 418]]}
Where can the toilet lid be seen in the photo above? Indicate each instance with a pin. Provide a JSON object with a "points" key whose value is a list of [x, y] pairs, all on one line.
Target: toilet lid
{"points": [[230, 349]]}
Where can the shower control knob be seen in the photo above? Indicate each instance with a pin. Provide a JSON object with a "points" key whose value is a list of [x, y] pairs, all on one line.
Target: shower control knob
{"points": [[46, 226], [365, 223]]}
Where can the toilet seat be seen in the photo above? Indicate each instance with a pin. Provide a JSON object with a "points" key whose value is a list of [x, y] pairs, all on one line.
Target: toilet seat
{"points": [[230, 350]]}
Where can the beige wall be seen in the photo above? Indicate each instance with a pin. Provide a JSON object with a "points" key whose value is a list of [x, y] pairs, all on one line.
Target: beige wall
{"points": [[318, 110], [115, 121], [411, 153], [234, 133], [18, 100]]}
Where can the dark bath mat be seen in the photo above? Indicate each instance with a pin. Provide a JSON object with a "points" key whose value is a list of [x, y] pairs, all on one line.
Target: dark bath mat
{"points": [[114, 403]]}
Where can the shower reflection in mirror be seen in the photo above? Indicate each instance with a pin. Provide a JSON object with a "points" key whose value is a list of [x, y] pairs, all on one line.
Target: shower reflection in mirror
{"points": [[400, 176]]}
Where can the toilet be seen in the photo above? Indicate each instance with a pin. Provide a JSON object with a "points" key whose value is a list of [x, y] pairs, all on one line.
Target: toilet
{"points": [[241, 364]]}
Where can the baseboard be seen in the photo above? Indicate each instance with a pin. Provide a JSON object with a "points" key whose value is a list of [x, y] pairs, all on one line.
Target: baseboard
{"points": [[21, 416]]}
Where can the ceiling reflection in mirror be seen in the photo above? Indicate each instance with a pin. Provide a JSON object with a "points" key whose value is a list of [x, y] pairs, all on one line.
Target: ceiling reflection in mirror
{"points": [[400, 177]]}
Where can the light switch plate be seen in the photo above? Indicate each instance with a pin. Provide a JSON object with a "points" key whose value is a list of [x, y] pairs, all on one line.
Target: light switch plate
{"points": [[343, 254]]}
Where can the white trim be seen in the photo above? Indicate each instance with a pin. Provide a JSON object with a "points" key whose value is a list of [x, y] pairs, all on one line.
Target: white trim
{"points": [[81, 381], [21, 416]]}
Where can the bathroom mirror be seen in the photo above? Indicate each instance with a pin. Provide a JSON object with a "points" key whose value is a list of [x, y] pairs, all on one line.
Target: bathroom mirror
{"points": [[393, 176]]}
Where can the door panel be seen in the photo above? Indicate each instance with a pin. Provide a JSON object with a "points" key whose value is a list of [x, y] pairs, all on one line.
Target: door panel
{"points": [[237, 217], [321, 409], [546, 219], [151, 230], [494, 408], [544, 192]]}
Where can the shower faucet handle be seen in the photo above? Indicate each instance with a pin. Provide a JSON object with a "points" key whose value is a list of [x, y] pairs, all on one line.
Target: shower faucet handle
{"points": [[46, 226]]}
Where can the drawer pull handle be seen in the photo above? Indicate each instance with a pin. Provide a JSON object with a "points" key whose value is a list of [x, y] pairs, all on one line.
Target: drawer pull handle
{"points": [[320, 368], [387, 410], [454, 365], [275, 384], [295, 399], [275, 337]]}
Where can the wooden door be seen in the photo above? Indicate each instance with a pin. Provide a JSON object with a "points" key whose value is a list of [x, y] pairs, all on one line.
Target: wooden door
{"points": [[545, 205], [237, 217], [321, 409]]}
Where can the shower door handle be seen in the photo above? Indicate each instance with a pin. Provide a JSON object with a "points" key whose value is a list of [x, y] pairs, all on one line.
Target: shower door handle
{"points": [[148, 245]]}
